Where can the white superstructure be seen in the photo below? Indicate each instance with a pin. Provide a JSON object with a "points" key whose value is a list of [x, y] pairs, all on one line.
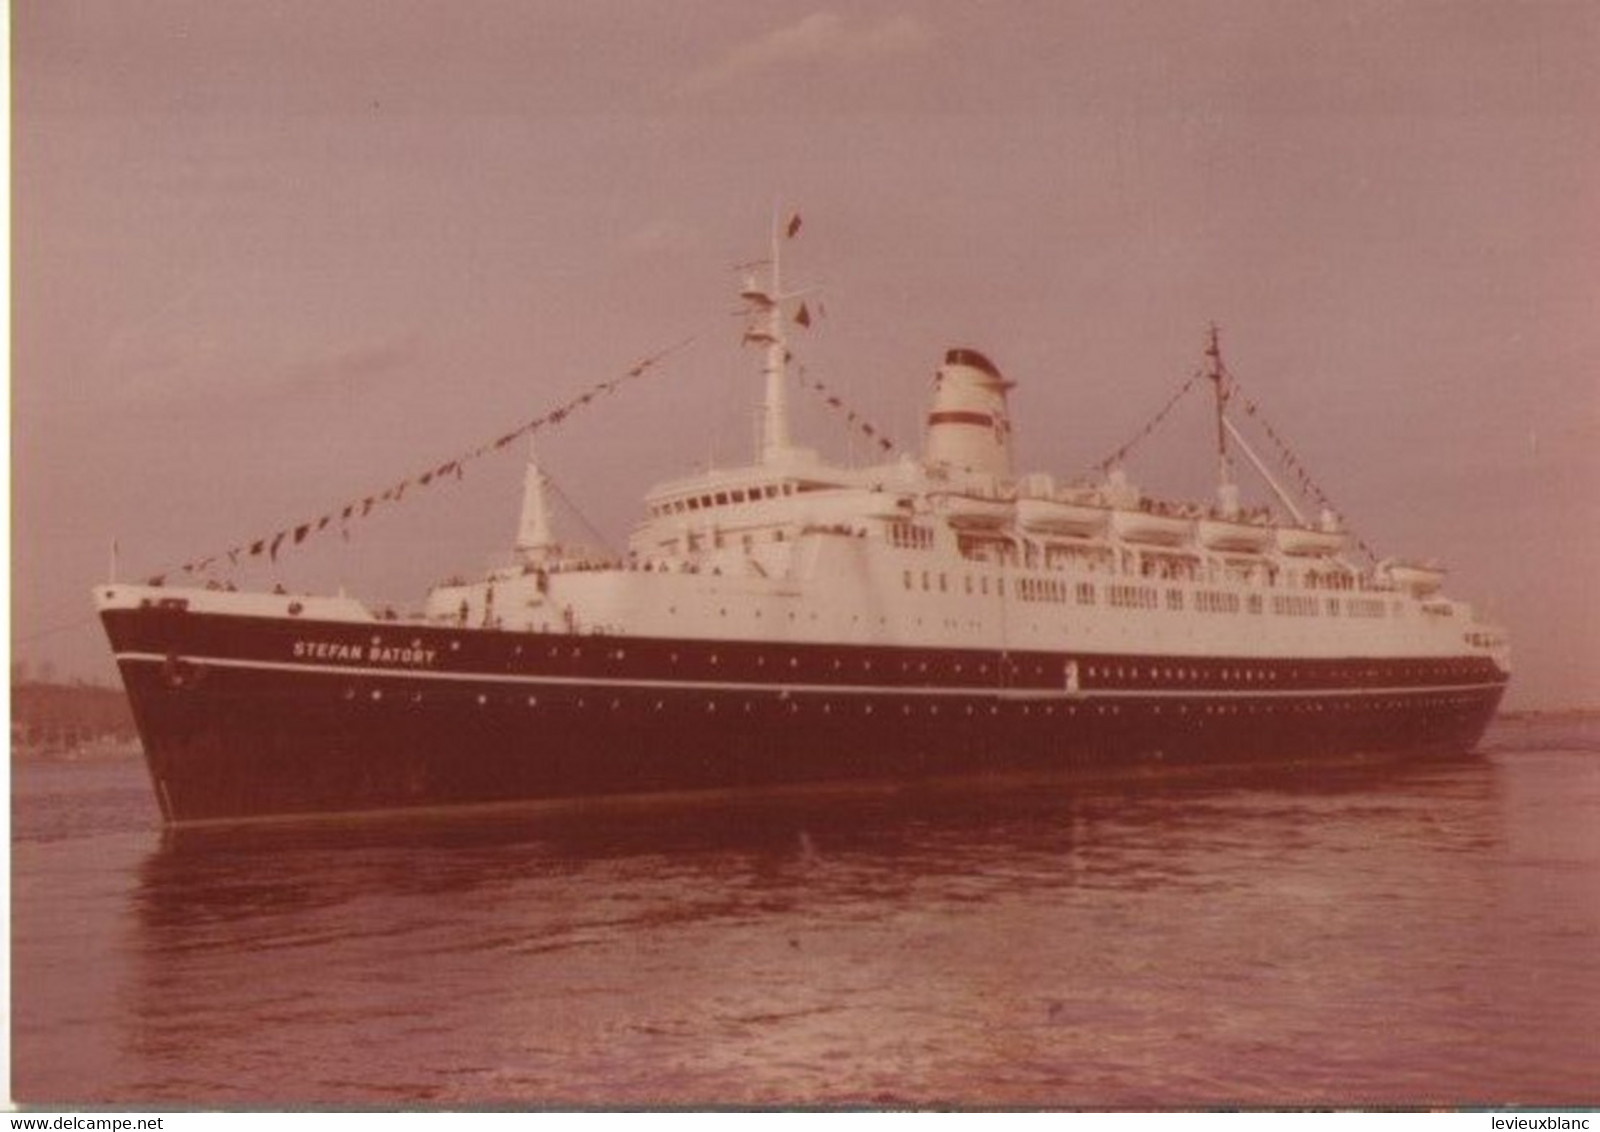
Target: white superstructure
{"points": [[956, 549]]}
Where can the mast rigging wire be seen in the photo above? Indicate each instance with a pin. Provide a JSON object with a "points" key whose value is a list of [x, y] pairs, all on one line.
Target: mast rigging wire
{"points": [[1285, 452], [270, 545]]}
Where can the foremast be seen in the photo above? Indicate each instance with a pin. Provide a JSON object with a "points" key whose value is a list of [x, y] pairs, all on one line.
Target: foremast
{"points": [[765, 306]]}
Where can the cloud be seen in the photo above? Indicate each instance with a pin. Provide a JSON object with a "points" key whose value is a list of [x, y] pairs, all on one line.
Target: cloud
{"points": [[820, 39], [240, 365], [660, 237], [348, 369]]}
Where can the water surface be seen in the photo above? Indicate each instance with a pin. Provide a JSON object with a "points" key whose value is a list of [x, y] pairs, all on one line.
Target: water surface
{"points": [[1418, 935]]}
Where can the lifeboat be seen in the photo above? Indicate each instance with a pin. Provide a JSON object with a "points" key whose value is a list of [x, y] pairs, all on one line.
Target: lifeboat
{"points": [[975, 512], [1307, 541], [1233, 534], [1151, 527], [1059, 517], [1414, 577]]}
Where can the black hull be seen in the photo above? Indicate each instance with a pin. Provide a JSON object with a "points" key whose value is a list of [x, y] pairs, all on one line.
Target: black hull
{"points": [[255, 717]]}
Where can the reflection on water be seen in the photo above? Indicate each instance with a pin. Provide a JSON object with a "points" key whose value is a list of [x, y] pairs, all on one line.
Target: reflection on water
{"points": [[1343, 936]]}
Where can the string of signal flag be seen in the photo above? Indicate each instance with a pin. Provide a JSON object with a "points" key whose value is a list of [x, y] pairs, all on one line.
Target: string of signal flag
{"points": [[1308, 486], [269, 546]]}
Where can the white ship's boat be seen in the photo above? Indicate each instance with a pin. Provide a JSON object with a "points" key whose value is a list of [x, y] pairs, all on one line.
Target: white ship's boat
{"points": [[1154, 527], [974, 512], [1061, 517], [798, 620], [1309, 541], [1420, 579], [1234, 535]]}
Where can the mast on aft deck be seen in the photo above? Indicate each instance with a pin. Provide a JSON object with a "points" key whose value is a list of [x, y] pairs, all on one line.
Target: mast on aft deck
{"points": [[1227, 489]]}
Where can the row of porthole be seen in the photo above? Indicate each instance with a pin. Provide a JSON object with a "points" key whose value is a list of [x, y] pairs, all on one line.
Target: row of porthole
{"points": [[483, 700], [616, 704], [1109, 672], [1267, 675], [1119, 672]]}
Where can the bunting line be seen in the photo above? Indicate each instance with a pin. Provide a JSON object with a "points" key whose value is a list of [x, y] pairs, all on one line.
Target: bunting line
{"points": [[450, 470], [1150, 426], [1308, 486], [1292, 464], [852, 418]]}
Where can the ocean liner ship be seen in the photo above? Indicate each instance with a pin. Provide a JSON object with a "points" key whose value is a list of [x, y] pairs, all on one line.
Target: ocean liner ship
{"points": [[795, 621]]}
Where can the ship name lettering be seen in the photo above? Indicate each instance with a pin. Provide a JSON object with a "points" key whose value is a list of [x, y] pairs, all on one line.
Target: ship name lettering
{"points": [[415, 657], [397, 655]]}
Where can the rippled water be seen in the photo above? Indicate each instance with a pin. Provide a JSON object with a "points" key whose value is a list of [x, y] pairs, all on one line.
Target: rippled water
{"points": [[1422, 935]]}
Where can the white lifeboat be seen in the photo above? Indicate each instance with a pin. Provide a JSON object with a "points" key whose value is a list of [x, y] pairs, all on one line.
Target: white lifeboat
{"points": [[974, 512], [1154, 527], [1307, 541], [1060, 517], [1416, 578], [1233, 535]]}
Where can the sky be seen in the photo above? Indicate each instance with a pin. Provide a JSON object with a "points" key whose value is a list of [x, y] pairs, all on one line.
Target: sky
{"points": [[270, 257]]}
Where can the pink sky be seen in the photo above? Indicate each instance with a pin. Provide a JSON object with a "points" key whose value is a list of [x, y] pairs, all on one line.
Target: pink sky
{"points": [[267, 257]]}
